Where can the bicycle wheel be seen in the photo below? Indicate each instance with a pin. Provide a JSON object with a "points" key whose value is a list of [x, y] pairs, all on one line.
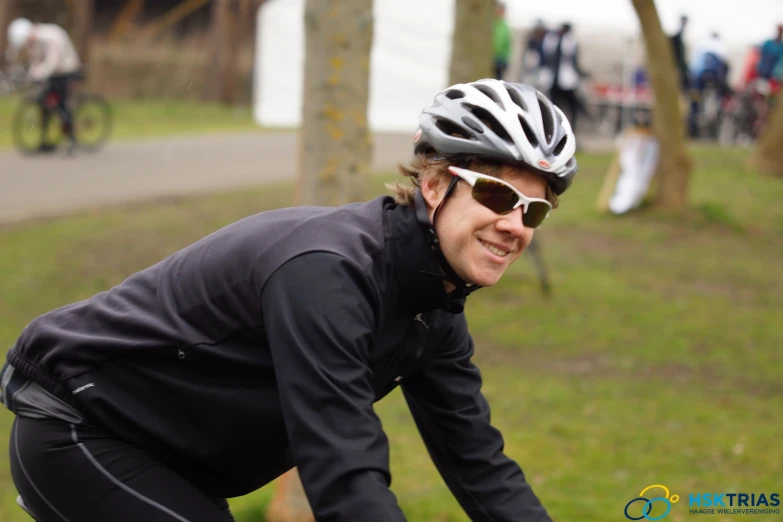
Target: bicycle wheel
{"points": [[27, 127], [91, 121]]}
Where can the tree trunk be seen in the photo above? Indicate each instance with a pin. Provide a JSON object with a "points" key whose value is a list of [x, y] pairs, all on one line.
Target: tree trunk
{"points": [[5, 19], [125, 19], [246, 21], [81, 27], [221, 80], [767, 156], [674, 165], [335, 141], [471, 42]]}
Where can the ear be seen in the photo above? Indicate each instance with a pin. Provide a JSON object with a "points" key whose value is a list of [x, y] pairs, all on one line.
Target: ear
{"points": [[433, 190]]}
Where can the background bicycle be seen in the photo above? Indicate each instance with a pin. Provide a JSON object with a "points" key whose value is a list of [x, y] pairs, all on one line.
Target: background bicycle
{"points": [[38, 124], [11, 79]]}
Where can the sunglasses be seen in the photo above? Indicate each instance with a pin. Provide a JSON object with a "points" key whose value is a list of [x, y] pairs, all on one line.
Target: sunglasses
{"points": [[502, 198]]}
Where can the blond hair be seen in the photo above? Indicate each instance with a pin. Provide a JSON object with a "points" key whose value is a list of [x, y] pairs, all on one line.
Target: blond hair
{"points": [[424, 167]]}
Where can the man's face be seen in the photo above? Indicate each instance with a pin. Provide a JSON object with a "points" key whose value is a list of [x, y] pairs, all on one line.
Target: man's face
{"points": [[478, 243]]}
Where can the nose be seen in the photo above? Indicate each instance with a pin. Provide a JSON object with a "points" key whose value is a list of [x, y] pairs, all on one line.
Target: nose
{"points": [[511, 224]]}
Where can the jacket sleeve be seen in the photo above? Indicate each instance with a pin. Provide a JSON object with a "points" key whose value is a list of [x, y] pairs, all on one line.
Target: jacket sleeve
{"points": [[453, 418], [319, 316]]}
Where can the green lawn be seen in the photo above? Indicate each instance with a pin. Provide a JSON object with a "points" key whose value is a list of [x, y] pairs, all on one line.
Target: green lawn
{"points": [[657, 360], [148, 119]]}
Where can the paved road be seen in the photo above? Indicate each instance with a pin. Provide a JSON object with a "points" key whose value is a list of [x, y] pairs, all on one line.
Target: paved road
{"points": [[130, 171]]}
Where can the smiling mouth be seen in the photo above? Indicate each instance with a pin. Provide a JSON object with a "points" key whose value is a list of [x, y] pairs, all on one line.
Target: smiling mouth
{"points": [[495, 250]]}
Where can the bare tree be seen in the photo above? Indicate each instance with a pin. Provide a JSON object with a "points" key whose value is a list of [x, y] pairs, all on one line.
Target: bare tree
{"points": [[674, 165], [246, 20], [5, 19], [471, 43], [221, 79], [81, 26], [767, 156], [336, 144]]}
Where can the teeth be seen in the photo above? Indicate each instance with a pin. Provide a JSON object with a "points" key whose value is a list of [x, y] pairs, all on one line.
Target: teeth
{"points": [[493, 249]]}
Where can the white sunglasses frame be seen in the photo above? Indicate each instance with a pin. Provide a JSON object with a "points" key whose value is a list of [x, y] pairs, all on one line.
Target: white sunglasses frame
{"points": [[471, 177]]}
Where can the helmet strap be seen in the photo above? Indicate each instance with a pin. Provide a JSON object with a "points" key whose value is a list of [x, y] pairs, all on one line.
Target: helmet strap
{"points": [[456, 301]]}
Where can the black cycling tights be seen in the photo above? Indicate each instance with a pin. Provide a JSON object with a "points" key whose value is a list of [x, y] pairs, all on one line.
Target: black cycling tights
{"points": [[68, 473]]}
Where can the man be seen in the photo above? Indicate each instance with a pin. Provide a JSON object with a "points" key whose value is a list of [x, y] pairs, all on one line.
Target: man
{"points": [[265, 345], [678, 46], [54, 61], [532, 54], [501, 42], [710, 66], [771, 55], [561, 73]]}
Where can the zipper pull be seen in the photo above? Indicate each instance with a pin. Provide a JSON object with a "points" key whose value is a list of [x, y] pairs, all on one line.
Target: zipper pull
{"points": [[419, 319], [181, 353]]}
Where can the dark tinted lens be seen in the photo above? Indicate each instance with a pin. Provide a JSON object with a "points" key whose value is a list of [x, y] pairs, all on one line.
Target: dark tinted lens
{"points": [[536, 212], [494, 195]]}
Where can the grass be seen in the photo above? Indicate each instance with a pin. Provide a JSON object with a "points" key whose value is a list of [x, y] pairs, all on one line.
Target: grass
{"points": [[656, 361], [135, 119]]}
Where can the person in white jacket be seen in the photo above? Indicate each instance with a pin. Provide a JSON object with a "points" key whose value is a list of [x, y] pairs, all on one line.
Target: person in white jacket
{"points": [[54, 62]]}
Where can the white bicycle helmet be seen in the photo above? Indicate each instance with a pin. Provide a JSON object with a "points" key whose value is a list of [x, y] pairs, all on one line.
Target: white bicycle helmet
{"points": [[500, 121], [18, 32]]}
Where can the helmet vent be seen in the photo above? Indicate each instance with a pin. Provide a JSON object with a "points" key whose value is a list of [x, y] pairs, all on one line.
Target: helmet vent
{"points": [[546, 118], [455, 94], [487, 119], [489, 93], [516, 98], [452, 129], [473, 124], [560, 146], [529, 134]]}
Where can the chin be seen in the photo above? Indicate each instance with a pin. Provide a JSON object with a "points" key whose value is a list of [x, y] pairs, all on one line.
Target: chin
{"points": [[486, 280]]}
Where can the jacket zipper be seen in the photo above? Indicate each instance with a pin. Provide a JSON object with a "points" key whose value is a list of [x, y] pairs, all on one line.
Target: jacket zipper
{"points": [[418, 318]]}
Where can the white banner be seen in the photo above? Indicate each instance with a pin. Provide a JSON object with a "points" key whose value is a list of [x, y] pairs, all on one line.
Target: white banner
{"points": [[409, 62]]}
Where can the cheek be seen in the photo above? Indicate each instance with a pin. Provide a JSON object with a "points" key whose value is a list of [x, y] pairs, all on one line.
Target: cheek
{"points": [[527, 238]]}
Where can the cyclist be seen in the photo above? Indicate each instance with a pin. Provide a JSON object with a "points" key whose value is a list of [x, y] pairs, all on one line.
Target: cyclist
{"points": [[678, 46], [54, 61], [532, 54], [709, 65], [264, 345], [771, 55]]}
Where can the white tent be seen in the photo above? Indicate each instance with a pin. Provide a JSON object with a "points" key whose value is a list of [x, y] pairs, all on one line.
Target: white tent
{"points": [[409, 62]]}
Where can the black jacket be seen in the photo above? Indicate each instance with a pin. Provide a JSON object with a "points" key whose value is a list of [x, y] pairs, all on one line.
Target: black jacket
{"points": [[264, 346]]}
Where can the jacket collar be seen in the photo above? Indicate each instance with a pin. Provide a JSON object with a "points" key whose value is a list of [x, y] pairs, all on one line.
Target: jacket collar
{"points": [[415, 264]]}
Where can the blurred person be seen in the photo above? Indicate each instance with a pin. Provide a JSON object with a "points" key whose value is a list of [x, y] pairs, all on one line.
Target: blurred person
{"points": [[777, 74], [532, 54], [770, 55], [561, 73], [265, 345], [750, 67], [54, 62], [710, 66], [639, 78], [501, 41], [680, 56]]}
